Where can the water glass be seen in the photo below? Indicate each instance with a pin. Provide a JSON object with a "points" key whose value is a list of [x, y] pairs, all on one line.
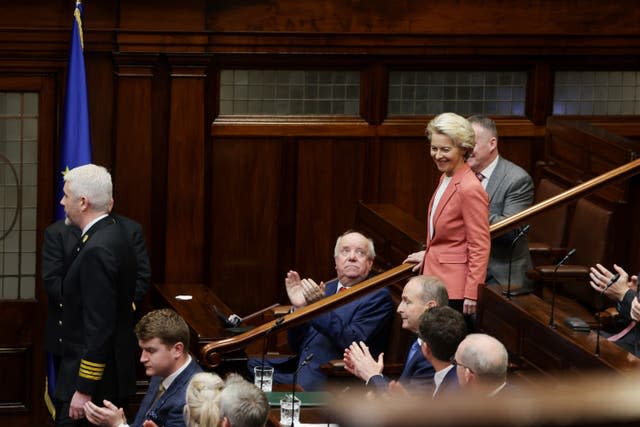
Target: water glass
{"points": [[263, 377], [289, 407]]}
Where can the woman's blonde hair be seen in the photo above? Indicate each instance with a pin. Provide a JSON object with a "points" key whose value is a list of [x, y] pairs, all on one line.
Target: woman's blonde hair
{"points": [[457, 128], [202, 408]]}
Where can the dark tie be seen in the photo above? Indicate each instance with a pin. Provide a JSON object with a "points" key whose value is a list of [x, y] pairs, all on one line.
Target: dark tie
{"points": [[480, 176]]}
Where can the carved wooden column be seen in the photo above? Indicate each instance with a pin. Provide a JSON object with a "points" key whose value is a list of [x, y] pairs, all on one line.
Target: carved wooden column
{"points": [[185, 186], [138, 136]]}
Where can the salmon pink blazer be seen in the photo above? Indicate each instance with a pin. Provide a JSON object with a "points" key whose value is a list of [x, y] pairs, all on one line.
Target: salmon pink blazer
{"points": [[458, 252]]}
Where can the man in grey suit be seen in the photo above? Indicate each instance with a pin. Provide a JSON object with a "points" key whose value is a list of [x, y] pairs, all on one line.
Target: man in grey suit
{"points": [[510, 191]]}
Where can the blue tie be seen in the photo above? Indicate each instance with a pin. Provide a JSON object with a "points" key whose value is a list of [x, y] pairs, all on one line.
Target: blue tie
{"points": [[412, 351]]}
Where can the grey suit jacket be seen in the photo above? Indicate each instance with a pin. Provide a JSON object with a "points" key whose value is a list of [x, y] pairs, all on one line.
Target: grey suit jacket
{"points": [[510, 191]]}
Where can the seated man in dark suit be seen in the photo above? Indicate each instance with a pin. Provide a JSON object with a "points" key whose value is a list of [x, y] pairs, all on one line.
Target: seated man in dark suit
{"points": [[623, 291], [419, 294], [441, 330], [482, 362], [163, 337], [327, 335]]}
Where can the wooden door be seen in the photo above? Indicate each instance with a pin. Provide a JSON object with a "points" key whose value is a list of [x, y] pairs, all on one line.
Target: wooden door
{"points": [[27, 115]]}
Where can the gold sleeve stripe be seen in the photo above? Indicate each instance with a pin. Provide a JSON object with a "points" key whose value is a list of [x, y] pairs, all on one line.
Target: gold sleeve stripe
{"points": [[90, 376], [97, 371], [90, 365]]}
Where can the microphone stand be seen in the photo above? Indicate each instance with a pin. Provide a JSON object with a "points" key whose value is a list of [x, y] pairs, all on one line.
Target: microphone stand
{"points": [[522, 232], [277, 323], [293, 388], [555, 282]]}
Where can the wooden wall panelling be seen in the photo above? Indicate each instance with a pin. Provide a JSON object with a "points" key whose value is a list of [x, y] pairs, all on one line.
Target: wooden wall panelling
{"points": [[133, 145], [101, 88], [379, 16], [246, 201], [330, 181], [539, 92], [17, 371], [408, 176], [184, 231]]}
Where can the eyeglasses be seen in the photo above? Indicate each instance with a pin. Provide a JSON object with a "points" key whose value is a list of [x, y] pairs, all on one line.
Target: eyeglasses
{"points": [[455, 363]]}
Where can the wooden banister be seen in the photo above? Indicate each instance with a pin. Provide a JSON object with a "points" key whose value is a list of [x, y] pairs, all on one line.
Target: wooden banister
{"points": [[623, 172], [211, 353]]}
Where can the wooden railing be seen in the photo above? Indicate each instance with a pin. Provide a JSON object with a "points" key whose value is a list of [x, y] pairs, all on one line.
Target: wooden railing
{"points": [[211, 353], [623, 172]]}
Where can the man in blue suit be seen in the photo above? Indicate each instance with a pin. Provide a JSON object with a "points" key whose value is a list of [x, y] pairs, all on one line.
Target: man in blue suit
{"points": [[421, 293], [163, 337], [327, 335]]}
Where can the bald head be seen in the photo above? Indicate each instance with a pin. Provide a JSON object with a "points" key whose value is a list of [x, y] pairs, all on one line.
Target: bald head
{"points": [[483, 359]]}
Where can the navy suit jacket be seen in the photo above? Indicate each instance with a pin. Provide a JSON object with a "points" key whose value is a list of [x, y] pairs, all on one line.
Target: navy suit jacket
{"points": [[59, 251], [168, 409], [98, 344], [327, 335], [417, 372], [449, 385], [628, 342]]}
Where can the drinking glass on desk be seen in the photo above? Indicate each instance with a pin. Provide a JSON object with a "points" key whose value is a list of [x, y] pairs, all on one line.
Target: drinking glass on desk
{"points": [[289, 407], [263, 377]]}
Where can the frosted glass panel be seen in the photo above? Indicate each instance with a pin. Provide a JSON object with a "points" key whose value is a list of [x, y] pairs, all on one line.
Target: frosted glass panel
{"points": [[18, 194], [413, 93], [289, 92], [587, 93]]}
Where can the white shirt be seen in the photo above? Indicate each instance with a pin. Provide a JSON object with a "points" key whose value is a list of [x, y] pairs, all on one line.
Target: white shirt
{"points": [[88, 226], [340, 286], [439, 377], [168, 380], [436, 199], [486, 172]]}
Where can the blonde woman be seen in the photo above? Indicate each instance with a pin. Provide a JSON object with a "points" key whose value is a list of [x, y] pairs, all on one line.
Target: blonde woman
{"points": [[458, 241], [202, 408]]}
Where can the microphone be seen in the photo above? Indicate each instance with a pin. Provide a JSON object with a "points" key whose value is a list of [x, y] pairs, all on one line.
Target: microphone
{"points": [[293, 386], [522, 232], [555, 282], [277, 323], [233, 321]]}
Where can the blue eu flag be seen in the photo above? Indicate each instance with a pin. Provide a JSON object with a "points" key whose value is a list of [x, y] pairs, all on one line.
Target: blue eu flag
{"points": [[75, 143], [75, 140]]}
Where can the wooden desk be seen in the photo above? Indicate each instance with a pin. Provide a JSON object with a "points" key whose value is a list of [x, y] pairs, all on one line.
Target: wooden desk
{"points": [[313, 415], [198, 312], [522, 324]]}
